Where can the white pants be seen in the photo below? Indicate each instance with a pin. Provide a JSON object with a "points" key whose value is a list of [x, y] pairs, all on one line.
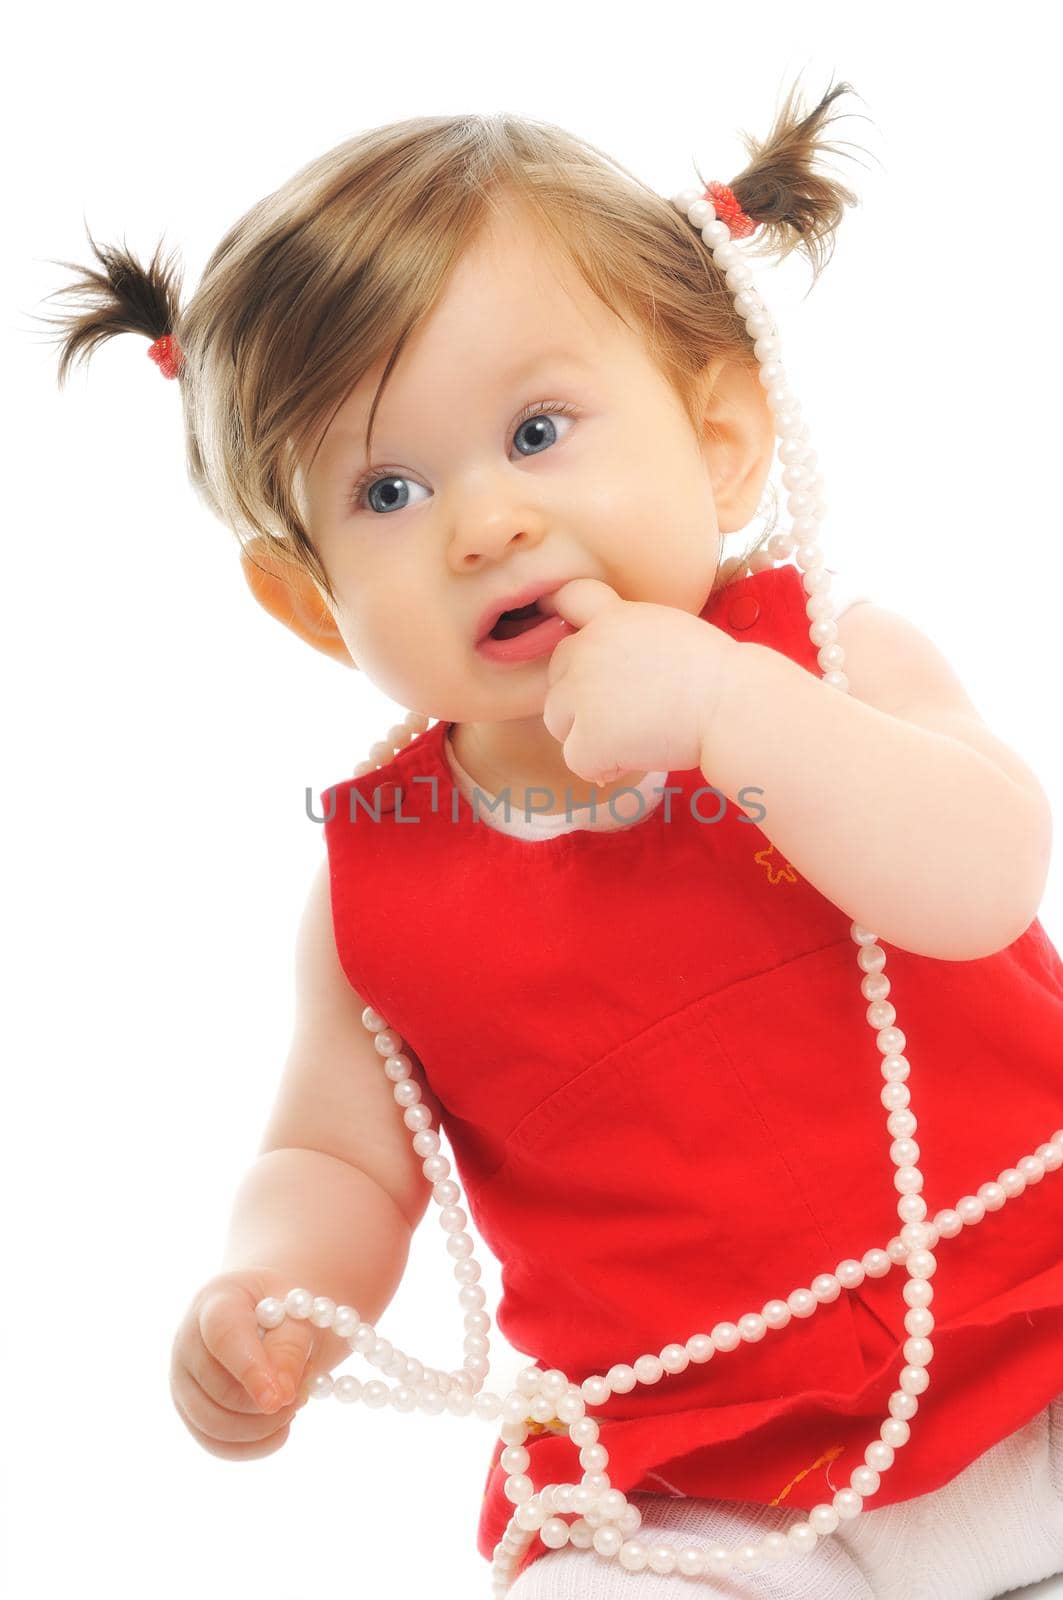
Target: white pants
{"points": [[996, 1526]]}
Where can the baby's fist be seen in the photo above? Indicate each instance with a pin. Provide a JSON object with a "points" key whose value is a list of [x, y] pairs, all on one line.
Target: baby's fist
{"points": [[236, 1387]]}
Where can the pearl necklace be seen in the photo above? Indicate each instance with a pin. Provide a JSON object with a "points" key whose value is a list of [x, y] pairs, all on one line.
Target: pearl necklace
{"points": [[604, 1520]]}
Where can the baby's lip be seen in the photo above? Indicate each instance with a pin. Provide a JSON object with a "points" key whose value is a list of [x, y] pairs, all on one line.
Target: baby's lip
{"points": [[539, 592]]}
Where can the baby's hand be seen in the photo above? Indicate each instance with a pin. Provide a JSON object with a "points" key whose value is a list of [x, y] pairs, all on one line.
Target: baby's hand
{"points": [[635, 688], [237, 1392]]}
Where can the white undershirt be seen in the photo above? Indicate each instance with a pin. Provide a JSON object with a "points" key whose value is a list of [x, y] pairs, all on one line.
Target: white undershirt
{"points": [[625, 810]]}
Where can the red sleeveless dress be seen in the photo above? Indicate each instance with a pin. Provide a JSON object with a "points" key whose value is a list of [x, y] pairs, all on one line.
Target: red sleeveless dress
{"points": [[655, 1071]]}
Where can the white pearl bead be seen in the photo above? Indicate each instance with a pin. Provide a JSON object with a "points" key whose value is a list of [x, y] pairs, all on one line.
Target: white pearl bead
{"points": [[634, 1555], [648, 1369], [824, 1518], [554, 1533], [700, 1348], [322, 1311], [752, 1327], [826, 1287], [530, 1515], [553, 1384], [674, 1358], [270, 1312], [918, 1292], [345, 1321], [1051, 1154], [776, 1313], [850, 1273], [725, 1336], [299, 1303], [895, 1432], [747, 1558], [802, 1536], [661, 1558], [775, 1544], [992, 1196], [690, 1562], [865, 1481], [802, 1302], [921, 1263], [847, 1503]]}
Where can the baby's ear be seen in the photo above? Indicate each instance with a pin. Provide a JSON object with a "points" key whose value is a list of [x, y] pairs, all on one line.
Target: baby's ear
{"points": [[289, 593]]}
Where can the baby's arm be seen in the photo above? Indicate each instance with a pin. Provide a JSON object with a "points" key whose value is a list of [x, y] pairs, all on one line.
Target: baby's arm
{"points": [[337, 1189], [895, 801]]}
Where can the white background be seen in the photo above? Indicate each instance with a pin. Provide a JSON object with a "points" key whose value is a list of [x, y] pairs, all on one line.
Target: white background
{"points": [[162, 730]]}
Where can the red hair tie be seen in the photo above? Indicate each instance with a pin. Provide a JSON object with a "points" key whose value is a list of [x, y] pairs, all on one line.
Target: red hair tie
{"points": [[729, 211], [168, 355]]}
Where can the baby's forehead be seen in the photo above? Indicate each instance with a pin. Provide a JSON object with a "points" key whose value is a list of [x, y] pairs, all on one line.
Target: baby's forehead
{"points": [[515, 308]]}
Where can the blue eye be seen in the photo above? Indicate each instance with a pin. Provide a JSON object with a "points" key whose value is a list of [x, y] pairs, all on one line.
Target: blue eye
{"points": [[390, 492]]}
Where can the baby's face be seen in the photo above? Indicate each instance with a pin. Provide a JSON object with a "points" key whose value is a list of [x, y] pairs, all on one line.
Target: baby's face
{"points": [[466, 505]]}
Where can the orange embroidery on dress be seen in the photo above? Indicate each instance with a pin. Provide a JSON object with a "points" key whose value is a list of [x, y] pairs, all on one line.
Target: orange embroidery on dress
{"points": [[821, 1461], [775, 873]]}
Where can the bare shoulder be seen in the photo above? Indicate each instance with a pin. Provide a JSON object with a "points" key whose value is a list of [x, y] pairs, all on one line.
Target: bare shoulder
{"points": [[892, 665]]}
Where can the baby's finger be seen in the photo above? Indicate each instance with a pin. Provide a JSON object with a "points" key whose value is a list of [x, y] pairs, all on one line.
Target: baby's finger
{"points": [[289, 1348], [216, 1422], [229, 1329], [217, 1381]]}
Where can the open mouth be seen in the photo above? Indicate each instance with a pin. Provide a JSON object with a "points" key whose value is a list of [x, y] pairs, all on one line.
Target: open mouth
{"points": [[512, 623]]}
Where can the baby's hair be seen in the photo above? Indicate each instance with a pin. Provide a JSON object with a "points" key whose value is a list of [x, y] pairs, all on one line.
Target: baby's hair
{"points": [[334, 270]]}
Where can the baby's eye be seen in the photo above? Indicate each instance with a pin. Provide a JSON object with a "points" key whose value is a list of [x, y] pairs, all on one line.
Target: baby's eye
{"points": [[383, 492]]}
